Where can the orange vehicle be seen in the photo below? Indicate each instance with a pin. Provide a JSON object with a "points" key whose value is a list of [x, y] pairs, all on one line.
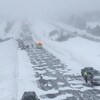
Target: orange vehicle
{"points": [[39, 45]]}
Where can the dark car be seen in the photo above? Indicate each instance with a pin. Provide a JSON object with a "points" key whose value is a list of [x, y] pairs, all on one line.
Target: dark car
{"points": [[29, 96]]}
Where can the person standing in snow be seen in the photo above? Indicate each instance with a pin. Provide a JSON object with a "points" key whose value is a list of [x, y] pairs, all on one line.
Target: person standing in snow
{"points": [[85, 75], [88, 76]]}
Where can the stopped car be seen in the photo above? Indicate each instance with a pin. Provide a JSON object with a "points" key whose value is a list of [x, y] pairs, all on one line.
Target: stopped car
{"points": [[95, 73], [39, 45], [29, 95]]}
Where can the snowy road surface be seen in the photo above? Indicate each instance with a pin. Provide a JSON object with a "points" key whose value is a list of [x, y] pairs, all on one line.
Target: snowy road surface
{"points": [[54, 79]]}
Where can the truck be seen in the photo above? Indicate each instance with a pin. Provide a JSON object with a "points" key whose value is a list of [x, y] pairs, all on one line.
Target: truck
{"points": [[95, 73], [39, 45]]}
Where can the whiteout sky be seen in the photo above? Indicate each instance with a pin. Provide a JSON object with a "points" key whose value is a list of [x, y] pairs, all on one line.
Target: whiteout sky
{"points": [[46, 7]]}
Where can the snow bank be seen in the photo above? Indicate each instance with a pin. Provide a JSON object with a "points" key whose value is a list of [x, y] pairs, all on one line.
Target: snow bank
{"points": [[2, 28], [8, 65]]}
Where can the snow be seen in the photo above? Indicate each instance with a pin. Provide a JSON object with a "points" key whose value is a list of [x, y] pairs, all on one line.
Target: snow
{"points": [[54, 37], [49, 78], [2, 27], [76, 53], [42, 29], [60, 83], [26, 76], [17, 74], [15, 30], [72, 30], [8, 65], [41, 72]]}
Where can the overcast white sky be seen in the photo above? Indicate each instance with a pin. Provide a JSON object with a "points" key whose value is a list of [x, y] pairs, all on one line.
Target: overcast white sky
{"points": [[46, 7]]}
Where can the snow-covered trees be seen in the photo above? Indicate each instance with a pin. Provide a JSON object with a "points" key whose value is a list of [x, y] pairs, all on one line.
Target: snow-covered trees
{"points": [[94, 31]]}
